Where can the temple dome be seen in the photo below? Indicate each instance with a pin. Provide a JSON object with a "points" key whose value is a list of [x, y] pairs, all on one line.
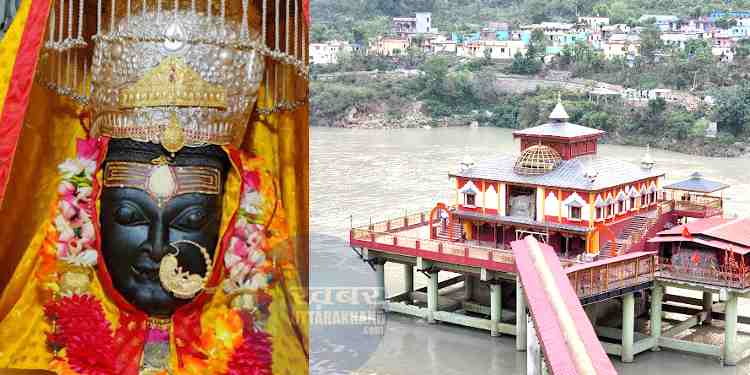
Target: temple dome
{"points": [[537, 160]]}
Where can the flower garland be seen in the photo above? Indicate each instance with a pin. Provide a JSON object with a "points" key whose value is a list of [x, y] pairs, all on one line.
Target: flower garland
{"points": [[84, 332], [82, 337], [246, 259], [76, 233]]}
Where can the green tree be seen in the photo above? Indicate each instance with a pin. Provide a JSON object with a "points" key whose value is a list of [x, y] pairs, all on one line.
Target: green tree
{"points": [[651, 43], [525, 64], [732, 109], [742, 49], [601, 10], [725, 23]]}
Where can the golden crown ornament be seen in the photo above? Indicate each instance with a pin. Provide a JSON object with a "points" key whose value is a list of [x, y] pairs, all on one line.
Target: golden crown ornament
{"points": [[180, 73]]}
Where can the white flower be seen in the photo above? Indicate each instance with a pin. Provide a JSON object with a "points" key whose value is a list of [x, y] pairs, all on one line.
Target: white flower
{"points": [[259, 281], [257, 257], [89, 166], [64, 229], [238, 272], [230, 259], [71, 167], [85, 258], [251, 203], [84, 192], [87, 232]]}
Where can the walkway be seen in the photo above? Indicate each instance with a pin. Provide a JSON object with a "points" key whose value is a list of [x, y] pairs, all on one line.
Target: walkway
{"points": [[568, 340]]}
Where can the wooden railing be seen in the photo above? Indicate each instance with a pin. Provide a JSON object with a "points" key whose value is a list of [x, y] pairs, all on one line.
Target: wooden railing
{"points": [[719, 275], [703, 205], [612, 273], [447, 251]]}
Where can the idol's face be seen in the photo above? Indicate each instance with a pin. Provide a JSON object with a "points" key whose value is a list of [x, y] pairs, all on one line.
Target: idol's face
{"points": [[136, 235]]}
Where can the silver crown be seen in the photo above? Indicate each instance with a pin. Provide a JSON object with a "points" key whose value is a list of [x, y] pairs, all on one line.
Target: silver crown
{"points": [[135, 96]]}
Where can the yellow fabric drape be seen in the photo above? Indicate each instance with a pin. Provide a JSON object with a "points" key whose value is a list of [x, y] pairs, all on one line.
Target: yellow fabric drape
{"points": [[47, 139]]}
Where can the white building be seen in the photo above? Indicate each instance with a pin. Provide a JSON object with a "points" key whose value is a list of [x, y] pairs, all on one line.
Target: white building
{"points": [[622, 45], [497, 49], [421, 23], [594, 22], [328, 52], [678, 40]]}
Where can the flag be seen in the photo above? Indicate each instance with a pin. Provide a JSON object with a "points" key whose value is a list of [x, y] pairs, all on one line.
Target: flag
{"points": [[686, 232], [19, 51]]}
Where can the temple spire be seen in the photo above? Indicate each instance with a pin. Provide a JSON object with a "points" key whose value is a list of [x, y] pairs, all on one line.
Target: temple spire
{"points": [[559, 114], [647, 162]]}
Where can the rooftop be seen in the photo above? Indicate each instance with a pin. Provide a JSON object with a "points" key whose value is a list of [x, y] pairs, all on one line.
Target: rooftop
{"points": [[570, 174], [559, 129], [697, 183], [730, 230]]}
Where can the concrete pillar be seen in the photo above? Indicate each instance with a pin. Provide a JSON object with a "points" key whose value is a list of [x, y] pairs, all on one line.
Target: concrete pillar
{"points": [[628, 327], [708, 302], [520, 317], [534, 361], [468, 287], [657, 297], [408, 278], [496, 307], [432, 296], [380, 276], [730, 331]]}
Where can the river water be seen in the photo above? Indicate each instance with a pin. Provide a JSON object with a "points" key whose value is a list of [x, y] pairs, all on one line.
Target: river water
{"points": [[356, 175]]}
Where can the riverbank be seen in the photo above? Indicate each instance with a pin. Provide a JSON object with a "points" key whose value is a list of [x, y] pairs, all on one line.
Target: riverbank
{"points": [[377, 116]]}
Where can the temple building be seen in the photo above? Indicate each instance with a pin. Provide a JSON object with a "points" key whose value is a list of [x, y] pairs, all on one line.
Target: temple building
{"points": [[558, 189]]}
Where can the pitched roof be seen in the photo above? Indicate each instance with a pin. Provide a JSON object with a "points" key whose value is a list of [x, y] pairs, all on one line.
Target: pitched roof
{"points": [[559, 112], [697, 183], [559, 129], [730, 230], [569, 174]]}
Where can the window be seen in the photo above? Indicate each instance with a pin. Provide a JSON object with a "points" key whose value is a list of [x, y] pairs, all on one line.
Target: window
{"points": [[599, 213], [620, 206], [575, 212], [653, 196], [643, 200], [470, 199], [611, 210], [632, 203]]}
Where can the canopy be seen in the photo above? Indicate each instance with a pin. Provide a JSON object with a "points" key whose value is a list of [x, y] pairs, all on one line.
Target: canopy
{"points": [[698, 184]]}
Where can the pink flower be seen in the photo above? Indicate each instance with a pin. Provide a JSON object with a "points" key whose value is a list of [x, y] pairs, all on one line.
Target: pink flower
{"points": [[256, 237], [67, 209], [88, 149], [241, 229], [66, 190], [238, 247], [252, 179]]}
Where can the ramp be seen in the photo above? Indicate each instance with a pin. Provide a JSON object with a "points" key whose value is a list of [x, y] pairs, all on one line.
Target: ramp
{"points": [[565, 334]]}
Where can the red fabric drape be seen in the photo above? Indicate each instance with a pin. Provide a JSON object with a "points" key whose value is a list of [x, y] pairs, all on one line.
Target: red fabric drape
{"points": [[17, 97]]}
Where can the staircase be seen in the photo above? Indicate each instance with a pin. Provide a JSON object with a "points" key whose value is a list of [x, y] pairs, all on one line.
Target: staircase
{"points": [[635, 229], [457, 231]]}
